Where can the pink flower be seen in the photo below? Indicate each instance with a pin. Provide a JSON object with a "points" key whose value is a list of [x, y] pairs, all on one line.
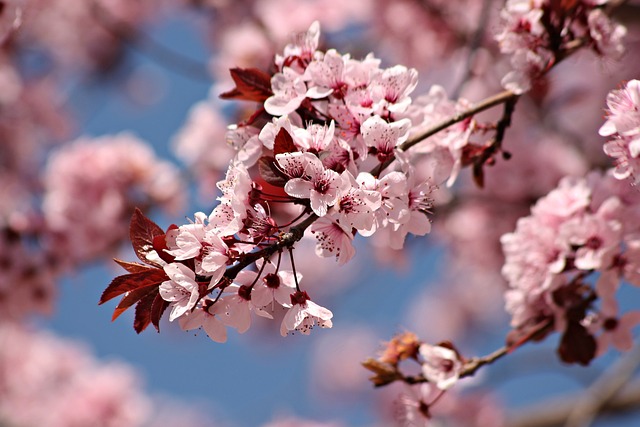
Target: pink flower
{"points": [[623, 124], [597, 239], [299, 53], [274, 286], [419, 204], [244, 139], [228, 217], [393, 205], [382, 137], [206, 316], [395, 84], [289, 90], [616, 330], [299, 165], [442, 366], [321, 186], [304, 314], [239, 304], [623, 111], [333, 240], [606, 34], [326, 76], [413, 406], [356, 207], [182, 290], [202, 243], [314, 137]]}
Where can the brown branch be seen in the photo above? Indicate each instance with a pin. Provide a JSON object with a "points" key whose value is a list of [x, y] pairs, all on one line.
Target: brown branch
{"points": [[556, 411], [603, 390], [144, 44], [286, 240], [483, 105]]}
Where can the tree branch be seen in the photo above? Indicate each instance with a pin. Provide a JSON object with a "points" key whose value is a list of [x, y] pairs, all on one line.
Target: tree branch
{"points": [[606, 395], [555, 412]]}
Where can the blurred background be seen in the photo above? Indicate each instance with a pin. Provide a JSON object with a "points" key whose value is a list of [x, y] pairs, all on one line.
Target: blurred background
{"points": [[110, 104]]}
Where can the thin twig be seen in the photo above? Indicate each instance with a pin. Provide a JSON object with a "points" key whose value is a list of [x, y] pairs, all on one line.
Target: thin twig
{"points": [[474, 44], [286, 240], [483, 105], [146, 45], [554, 412], [603, 390]]}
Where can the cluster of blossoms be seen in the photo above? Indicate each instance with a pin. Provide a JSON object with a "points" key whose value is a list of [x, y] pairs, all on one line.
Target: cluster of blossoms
{"points": [[583, 227], [71, 387], [92, 184], [539, 33], [324, 149], [623, 126], [49, 381]]}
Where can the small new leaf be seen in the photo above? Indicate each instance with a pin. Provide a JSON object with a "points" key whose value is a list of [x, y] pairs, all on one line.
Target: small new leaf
{"points": [[251, 85], [133, 267], [158, 307], [270, 173], [131, 298], [143, 312], [284, 143], [384, 372], [133, 281], [142, 231]]}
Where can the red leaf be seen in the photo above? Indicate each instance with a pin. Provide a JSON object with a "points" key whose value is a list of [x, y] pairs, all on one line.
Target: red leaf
{"points": [[133, 267], [270, 173], [130, 282], [251, 85], [143, 313], [142, 231], [133, 297], [284, 143], [577, 345], [157, 309]]}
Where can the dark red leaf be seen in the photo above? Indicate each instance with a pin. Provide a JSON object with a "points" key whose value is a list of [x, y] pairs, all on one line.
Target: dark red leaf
{"points": [[284, 143], [142, 231], [577, 345], [133, 267], [143, 313], [478, 175], [259, 115], [130, 282], [133, 297], [251, 85], [535, 329], [270, 173], [160, 246], [157, 309]]}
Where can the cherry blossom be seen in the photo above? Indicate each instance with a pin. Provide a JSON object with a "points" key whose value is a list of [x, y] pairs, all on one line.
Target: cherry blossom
{"points": [[304, 314], [537, 34], [289, 92], [275, 286], [182, 290], [356, 207], [623, 124], [382, 137], [208, 317], [239, 304], [441, 366], [333, 240]]}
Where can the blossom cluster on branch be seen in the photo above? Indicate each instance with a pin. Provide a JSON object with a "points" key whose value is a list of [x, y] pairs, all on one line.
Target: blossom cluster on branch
{"points": [[537, 34], [324, 149], [332, 147]]}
